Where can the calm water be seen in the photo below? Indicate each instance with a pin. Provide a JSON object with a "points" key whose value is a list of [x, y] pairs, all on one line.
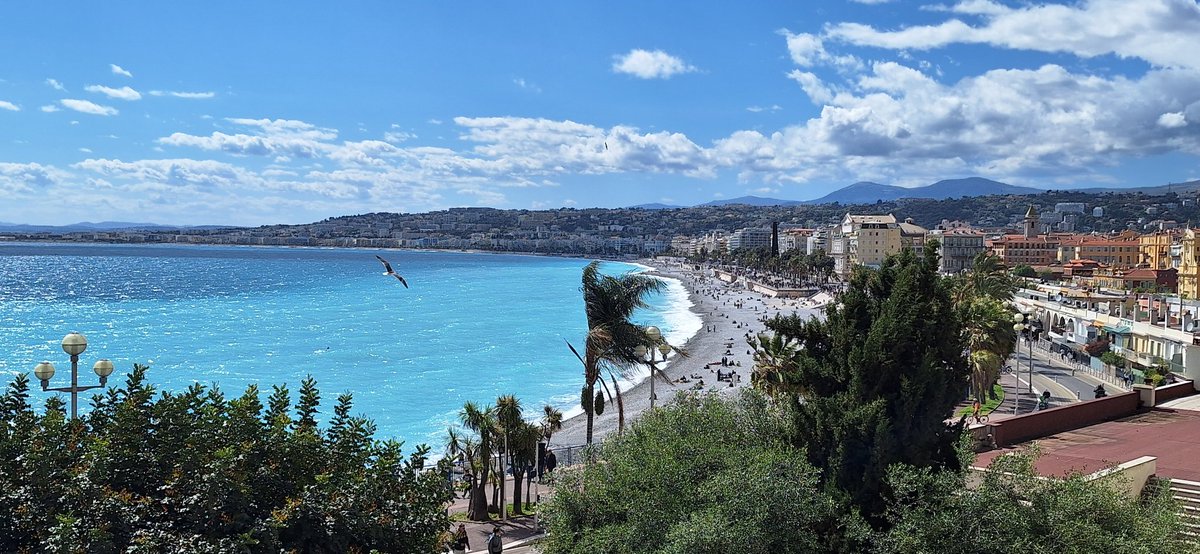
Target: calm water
{"points": [[472, 327]]}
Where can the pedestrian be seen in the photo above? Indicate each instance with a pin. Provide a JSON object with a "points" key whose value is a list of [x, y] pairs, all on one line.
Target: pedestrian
{"points": [[494, 544], [460, 542]]}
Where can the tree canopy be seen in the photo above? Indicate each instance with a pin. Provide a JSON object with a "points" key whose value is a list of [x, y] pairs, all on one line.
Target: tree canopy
{"points": [[880, 375], [196, 471]]}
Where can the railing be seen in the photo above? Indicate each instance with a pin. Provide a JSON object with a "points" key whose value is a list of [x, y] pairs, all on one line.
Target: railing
{"points": [[572, 454], [1108, 376]]}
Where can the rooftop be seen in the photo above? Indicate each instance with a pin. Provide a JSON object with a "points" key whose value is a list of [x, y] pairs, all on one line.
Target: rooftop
{"points": [[1171, 435]]}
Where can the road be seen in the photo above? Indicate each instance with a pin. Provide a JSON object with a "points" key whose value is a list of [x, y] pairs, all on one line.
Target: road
{"points": [[1067, 381]]}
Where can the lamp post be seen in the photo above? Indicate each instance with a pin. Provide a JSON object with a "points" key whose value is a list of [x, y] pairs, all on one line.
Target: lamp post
{"points": [[641, 351], [73, 344], [1021, 326]]}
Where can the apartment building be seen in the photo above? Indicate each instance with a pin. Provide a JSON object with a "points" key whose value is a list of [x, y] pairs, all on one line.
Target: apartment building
{"points": [[1156, 248], [864, 240], [1121, 251], [958, 248]]}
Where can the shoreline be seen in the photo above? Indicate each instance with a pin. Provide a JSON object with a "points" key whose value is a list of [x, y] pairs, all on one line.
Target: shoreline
{"points": [[728, 315]]}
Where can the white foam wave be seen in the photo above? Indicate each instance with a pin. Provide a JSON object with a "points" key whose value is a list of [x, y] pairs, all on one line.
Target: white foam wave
{"points": [[680, 322]]}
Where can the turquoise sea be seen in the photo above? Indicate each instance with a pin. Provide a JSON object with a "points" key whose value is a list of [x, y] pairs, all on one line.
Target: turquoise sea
{"points": [[472, 327]]}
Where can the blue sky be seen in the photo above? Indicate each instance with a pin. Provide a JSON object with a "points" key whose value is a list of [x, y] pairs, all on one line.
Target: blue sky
{"points": [[254, 113]]}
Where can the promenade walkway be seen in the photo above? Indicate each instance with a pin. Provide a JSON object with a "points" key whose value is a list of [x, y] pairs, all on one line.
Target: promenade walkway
{"points": [[516, 531], [1067, 382]]}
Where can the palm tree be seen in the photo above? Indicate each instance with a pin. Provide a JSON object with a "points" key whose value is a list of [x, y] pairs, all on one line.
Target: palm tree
{"points": [[987, 277], [611, 339], [508, 420], [990, 339], [774, 359], [523, 447], [552, 421], [483, 422]]}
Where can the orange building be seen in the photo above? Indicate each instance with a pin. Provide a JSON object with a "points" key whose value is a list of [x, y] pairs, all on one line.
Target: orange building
{"points": [[1027, 248], [1121, 251]]}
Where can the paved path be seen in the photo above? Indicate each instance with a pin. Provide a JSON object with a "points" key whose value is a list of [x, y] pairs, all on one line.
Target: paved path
{"points": [[1068, 382]]}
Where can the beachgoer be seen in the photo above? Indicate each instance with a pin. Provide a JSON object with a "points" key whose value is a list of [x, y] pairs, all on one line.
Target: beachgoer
{"points": [[495, 545], [460, 542]]}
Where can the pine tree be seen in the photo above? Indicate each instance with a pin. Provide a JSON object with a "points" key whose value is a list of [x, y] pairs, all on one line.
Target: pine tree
{"points": [[880, 377]]}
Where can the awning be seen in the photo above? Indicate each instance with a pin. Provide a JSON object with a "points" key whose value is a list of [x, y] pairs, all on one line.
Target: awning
{"points": [[1120, 330]]}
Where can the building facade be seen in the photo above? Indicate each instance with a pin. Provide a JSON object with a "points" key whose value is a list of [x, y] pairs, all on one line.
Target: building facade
{"points": [[1156, 248], [1189, 265], [958, 248], [750, 237], [864, 240]]}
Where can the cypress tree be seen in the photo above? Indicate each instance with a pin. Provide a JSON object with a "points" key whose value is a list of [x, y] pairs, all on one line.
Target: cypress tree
{"points": [[880, 377]]}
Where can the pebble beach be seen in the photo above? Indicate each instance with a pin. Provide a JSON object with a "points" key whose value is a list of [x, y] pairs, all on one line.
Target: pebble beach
{"points": [[730, 315]]}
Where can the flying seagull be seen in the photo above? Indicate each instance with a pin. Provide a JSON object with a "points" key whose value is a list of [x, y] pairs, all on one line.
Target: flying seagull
{"points": [[392, 272]]}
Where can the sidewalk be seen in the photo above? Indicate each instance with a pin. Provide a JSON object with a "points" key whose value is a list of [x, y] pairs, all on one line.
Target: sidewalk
{"points": [[516, 531], [1068, 382]]}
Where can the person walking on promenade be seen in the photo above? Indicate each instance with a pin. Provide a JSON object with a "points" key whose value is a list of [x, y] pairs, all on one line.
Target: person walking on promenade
{"points": [[460, 542], [494, 544]]}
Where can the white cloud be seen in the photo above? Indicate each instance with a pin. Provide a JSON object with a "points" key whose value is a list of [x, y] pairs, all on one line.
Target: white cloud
{"points": [[279, 137], [760, 109], [812, 85], [123, 93], [871, 2], [397, 136], [54, 84], [49, 108], [182, 171], [650, 64], [808, 50], [895, 122], [84, 106], [186, 95], [18, 178], [1172, 120], [86, 150], [118, 70], [1160, 32], [527, 85], [6, 105]]}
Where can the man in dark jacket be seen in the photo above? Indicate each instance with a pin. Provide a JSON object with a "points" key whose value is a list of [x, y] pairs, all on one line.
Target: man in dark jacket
{"points": [[495, 546]]}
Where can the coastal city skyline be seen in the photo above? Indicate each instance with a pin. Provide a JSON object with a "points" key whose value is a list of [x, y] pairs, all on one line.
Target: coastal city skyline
{"points": [[412, 109]]}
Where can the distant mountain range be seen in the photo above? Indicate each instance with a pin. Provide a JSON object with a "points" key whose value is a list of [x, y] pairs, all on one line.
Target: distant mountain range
{"points": [[86, 226], [866, 192]]}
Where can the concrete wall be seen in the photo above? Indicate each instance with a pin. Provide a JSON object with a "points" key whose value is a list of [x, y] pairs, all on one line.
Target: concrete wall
{"points": [[1064, 418], [1171, 392], [1130, 477]]}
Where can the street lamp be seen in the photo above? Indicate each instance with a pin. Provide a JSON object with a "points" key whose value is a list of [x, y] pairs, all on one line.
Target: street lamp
{"points": [[655, 335], [1022, 326], [73, 344]]}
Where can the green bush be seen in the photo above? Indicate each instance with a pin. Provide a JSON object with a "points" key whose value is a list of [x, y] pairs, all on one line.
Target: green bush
{"points": [[198, 472]]}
